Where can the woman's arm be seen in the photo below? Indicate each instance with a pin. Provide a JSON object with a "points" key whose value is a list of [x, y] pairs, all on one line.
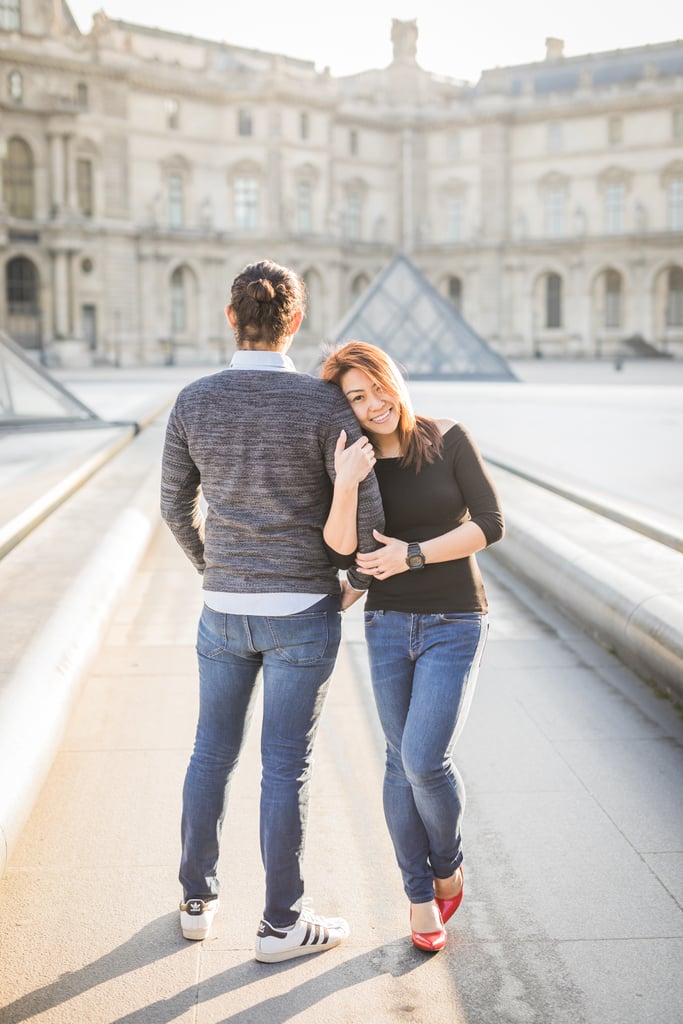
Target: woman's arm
{"points": [[463, 541], [351, 466]]}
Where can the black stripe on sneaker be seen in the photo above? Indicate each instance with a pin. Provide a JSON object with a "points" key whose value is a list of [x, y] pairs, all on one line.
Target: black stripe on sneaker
{"points": [[326, 935], [306, 937], [316, 937]]}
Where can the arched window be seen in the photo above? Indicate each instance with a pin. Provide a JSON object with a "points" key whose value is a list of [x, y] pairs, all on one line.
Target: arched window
{"points": [[553, 300], [22, 297], [674, 298], [246, 203], [178, 302], [17, 179], [359, 285], [455, 292], [82, 96], [21, 287]]}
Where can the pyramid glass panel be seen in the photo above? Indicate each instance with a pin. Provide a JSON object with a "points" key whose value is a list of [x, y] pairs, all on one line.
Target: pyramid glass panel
{"points": [[29, 396], [402, 313]]}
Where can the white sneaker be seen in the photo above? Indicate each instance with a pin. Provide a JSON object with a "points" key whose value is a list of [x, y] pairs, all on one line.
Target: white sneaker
{"points": [[196, 917], [310, 934]]}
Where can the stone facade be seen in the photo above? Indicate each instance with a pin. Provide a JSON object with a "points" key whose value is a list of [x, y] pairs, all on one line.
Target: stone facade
{"points": [[142, 169]]}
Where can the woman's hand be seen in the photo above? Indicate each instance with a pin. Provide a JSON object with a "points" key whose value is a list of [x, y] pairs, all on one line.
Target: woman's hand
{"points": [[352, 464], [385, 562]]}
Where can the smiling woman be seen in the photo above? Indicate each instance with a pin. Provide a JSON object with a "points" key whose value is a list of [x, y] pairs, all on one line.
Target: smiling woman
{"points": [[426, 618]]}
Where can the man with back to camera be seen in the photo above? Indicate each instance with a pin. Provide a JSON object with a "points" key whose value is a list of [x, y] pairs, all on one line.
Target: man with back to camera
{"points": [[260, 441]]}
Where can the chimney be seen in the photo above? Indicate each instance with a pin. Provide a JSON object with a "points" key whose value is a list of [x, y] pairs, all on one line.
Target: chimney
{"points": [[554, 48]]}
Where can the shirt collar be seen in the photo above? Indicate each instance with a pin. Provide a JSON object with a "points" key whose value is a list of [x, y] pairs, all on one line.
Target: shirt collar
{"points": [[261, 359]]}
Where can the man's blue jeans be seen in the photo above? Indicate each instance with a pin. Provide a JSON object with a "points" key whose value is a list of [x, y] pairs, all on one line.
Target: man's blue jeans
{"points": [[297, 655], [424, 669]]}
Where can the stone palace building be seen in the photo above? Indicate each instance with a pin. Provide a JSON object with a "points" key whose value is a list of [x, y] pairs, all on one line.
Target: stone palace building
{"points": [[141, 169]]}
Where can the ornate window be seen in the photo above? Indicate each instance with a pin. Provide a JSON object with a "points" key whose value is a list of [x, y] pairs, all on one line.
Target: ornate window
{"points": [[676, 204], [172, 108], [10, 15], [304, 125], [555, 210], [17, 179], [553, 300], [615, 129], [246, 203], [304, 214], [455, 292], [615, 205], [245, 122], [353, 142], [176, 201], [455, 209], [82, 96], [555, 141], [453, 145], [21, 281]]}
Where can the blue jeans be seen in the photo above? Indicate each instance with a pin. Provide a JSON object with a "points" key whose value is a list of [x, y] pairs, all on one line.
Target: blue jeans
{"points": [[424, 669], [297, 654]]}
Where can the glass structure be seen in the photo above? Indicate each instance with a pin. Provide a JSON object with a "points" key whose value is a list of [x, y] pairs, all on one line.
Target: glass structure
{"points": [[30, 397], [402, 313]]}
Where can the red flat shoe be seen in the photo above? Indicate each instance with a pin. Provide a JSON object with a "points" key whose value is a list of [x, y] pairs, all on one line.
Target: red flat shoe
{"points": [[448, 905], [430, 942]]}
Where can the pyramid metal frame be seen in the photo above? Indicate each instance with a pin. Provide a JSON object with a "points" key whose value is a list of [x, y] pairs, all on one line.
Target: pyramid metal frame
{"points": [[15, 364], [404, 314]]}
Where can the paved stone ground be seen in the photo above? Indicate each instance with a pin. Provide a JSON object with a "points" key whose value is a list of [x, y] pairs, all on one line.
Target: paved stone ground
{"points": [[574, 845], [573, 832]]}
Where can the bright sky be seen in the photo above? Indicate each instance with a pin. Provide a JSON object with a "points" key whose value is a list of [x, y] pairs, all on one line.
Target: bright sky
{"points": [[458, 40]]}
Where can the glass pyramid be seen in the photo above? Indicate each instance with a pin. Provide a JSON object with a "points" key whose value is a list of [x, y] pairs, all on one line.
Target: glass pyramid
{"points": [[402, 313], [30, 397]]}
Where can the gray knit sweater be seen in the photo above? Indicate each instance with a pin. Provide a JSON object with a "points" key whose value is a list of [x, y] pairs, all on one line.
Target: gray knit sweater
{"points": [[260, 447]]}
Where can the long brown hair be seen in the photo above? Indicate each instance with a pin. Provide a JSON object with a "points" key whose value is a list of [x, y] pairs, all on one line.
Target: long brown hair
{"points": [[419, 437], [264, 298]]}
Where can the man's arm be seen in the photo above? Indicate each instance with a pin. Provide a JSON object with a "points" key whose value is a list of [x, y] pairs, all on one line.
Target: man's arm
{"points": [[370, 512], [180, 493]]}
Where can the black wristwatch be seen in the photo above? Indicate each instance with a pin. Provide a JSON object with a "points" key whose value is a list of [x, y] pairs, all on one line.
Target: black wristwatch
{"points": [[415, 558]]}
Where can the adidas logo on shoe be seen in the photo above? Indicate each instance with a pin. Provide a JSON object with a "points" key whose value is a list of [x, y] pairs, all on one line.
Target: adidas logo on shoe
{"points": [[196, 917], [312, 933]]}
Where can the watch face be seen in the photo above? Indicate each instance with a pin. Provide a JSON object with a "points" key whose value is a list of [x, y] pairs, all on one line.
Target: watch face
{"points": [[416, 561]]}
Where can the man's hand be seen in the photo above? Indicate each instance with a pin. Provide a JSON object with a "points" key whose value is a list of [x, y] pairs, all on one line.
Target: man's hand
{"points": [[349, 595]]}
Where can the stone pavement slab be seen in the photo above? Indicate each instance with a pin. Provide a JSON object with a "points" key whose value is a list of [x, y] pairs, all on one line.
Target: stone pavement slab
{"points": [[572, 913]]}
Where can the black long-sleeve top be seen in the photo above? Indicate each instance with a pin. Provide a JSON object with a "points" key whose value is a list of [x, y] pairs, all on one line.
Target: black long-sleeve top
{"points": [[418, 507]]}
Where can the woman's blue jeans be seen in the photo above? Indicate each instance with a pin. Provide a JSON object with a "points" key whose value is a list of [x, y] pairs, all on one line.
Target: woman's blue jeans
{"points": [[424, 669], [297, 654]]}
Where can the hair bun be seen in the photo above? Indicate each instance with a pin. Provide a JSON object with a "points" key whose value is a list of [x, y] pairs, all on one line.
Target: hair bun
{"points": [[261, 290]]}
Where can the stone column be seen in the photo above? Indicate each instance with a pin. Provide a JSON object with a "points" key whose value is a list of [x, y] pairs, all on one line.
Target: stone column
{"points": [[70, 188], [407, 205], [60, 277], [57, 168]]}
